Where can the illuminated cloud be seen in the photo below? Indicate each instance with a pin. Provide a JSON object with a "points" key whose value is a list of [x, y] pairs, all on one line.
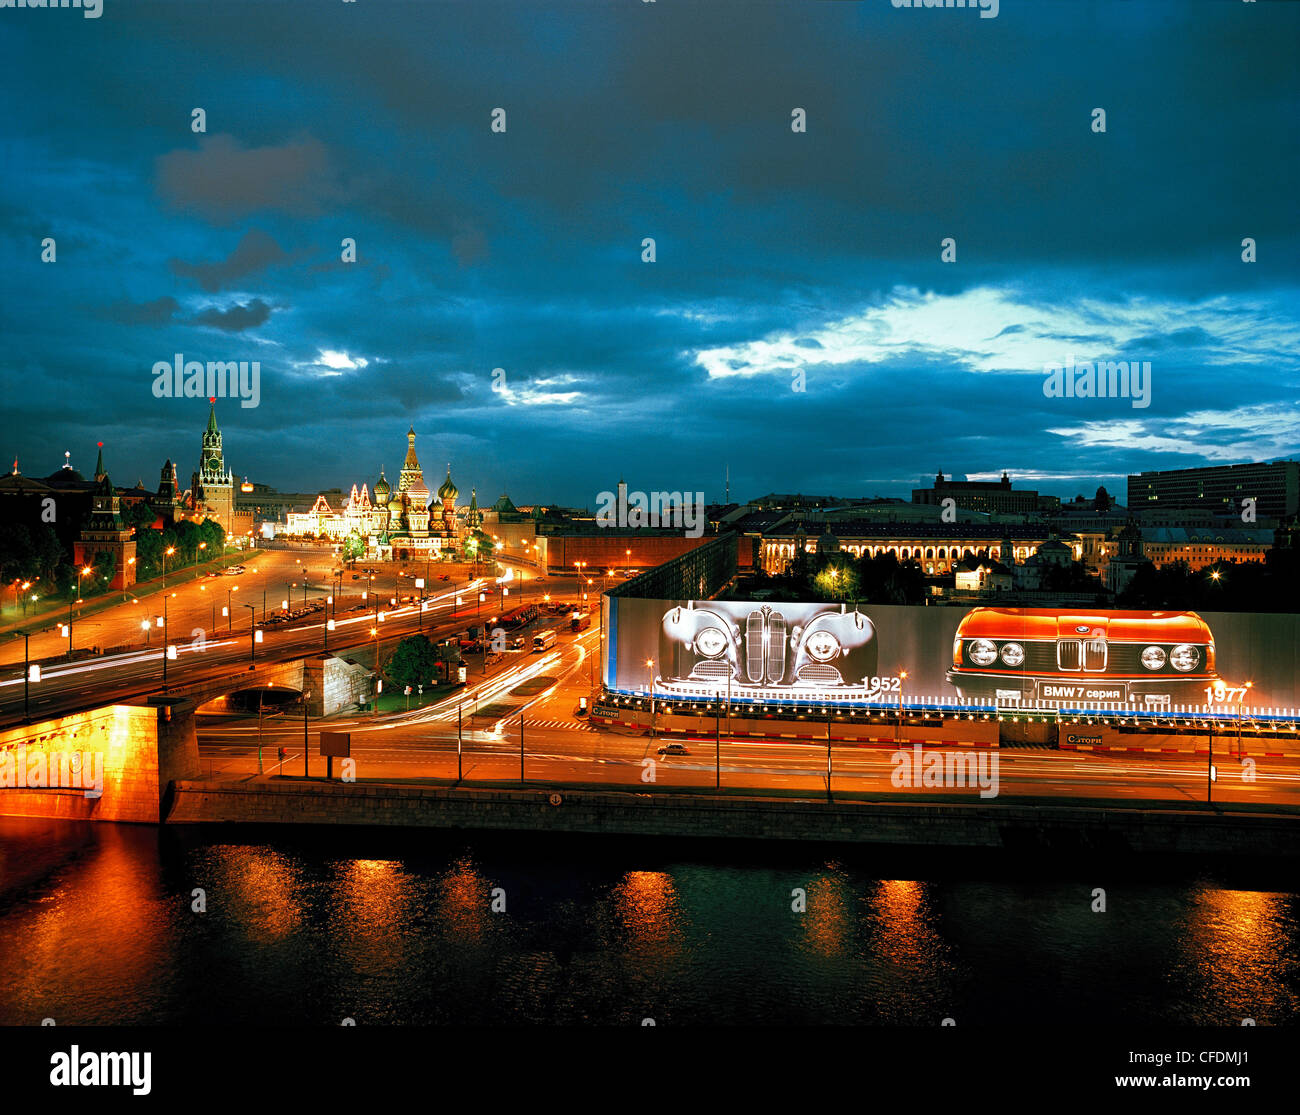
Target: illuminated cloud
{"points": [[991, 330], [1243, 433]]}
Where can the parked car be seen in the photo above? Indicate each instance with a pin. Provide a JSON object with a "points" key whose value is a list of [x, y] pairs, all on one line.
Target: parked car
{"points": [[673, 749]]}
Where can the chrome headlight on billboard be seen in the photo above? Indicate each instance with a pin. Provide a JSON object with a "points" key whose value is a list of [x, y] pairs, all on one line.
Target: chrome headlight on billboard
{"points": [[1013, 654], [710, 642], [982, 652], [1184, 657], [1153, 658], [822, 646]]}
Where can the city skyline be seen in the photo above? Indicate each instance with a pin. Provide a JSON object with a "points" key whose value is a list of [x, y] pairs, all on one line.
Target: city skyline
{"points": [[784, 259]]}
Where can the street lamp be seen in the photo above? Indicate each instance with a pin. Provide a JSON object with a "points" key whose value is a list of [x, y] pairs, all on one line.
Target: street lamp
{"points": [[1240, 701], [650, 687], [254, 636], [167, 647], [31, 673], [166, 554], [201, 546], [902, 677], [234, 588]]}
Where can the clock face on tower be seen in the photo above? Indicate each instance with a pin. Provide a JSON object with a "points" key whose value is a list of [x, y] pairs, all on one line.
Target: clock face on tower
{"points": [[214, 463]]}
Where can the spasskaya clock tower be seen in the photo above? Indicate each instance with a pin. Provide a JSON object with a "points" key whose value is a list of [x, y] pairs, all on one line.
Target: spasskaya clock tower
{"points": [[213, 485]]}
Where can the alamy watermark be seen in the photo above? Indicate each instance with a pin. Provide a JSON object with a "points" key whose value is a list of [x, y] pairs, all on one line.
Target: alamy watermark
{"points": [[1103, 379], [988, 9], [658, 509], [914, 768], [91, 9], [37, 769], [191, 379]]}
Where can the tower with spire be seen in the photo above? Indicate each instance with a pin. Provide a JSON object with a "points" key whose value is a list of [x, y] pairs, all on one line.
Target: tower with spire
{"points": [[213, 484], [106, 532]]}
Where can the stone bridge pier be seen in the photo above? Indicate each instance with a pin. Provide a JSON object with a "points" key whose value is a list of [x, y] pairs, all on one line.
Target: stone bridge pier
{"points": [[334, 683], [115, 763]]}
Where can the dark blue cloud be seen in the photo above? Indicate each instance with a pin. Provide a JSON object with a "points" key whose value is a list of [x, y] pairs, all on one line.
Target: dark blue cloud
{"points": [[776, 252]]}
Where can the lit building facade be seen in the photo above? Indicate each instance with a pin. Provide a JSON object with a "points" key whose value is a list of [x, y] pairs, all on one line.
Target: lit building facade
{"points": [[402, 524]]}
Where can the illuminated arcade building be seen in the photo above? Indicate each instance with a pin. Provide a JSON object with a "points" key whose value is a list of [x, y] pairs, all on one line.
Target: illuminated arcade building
{"points": [[938, 547]]}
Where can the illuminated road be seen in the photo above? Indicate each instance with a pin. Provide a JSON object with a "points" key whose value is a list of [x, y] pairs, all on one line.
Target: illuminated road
{"points": [[560, 747], [205, 652]]}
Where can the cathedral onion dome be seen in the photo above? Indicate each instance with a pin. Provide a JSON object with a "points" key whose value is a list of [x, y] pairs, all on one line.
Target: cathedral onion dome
{"points": [[448, 489], [381, 490]]}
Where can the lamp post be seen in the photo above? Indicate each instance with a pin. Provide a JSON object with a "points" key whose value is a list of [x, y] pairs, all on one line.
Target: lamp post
{"points": [[30, 673], [1240, 701], [252, 635], [305, 752], [717, 740], [229, 620], [197, 551], [166, 645], [166, 554], [902, 677], [129, 561], [329, 626], [650, 688], [828, 755], [379, 682]]}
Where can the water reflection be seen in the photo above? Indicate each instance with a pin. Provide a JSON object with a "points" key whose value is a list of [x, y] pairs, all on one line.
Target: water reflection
{"points": [[97, 926], [1238, 957]]}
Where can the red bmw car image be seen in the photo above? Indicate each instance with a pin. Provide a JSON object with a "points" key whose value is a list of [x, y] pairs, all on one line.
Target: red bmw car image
{"points": [[1143, 658]]}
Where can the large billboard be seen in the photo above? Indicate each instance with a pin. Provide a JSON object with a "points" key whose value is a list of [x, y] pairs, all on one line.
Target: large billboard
{"points": [[1071, 657]]}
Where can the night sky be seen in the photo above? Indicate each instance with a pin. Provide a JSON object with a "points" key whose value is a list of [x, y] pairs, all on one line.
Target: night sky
{"points": [[777, 252]]}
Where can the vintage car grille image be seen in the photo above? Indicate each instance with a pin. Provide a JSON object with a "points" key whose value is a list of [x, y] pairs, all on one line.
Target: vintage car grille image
{"points": [[1086, 654], [713, 668], [776, 644], [819, 673], [754, 638]]}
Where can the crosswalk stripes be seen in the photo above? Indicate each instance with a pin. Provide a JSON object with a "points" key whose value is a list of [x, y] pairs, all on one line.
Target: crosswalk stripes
{"points": [[571, 725]]}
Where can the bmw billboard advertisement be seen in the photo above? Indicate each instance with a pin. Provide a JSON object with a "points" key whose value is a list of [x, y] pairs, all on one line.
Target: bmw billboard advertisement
{"points": [[855, 653]]}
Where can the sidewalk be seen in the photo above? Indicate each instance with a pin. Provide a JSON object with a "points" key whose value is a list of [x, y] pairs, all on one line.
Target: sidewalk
{"points": [[50, 611]]}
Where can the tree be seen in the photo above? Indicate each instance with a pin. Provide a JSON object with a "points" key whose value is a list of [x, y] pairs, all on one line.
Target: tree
{"points": [[354, 546], [141, 515], [414, 662], [883, 579], [148, 553], [18, 553]]}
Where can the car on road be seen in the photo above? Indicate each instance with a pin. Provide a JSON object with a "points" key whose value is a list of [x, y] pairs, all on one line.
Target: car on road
{"points": [[673, 749], [517, 643]]}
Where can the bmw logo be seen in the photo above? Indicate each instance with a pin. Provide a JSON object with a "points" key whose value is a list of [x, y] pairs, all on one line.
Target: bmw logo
{"points": [[1082, 629]]}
